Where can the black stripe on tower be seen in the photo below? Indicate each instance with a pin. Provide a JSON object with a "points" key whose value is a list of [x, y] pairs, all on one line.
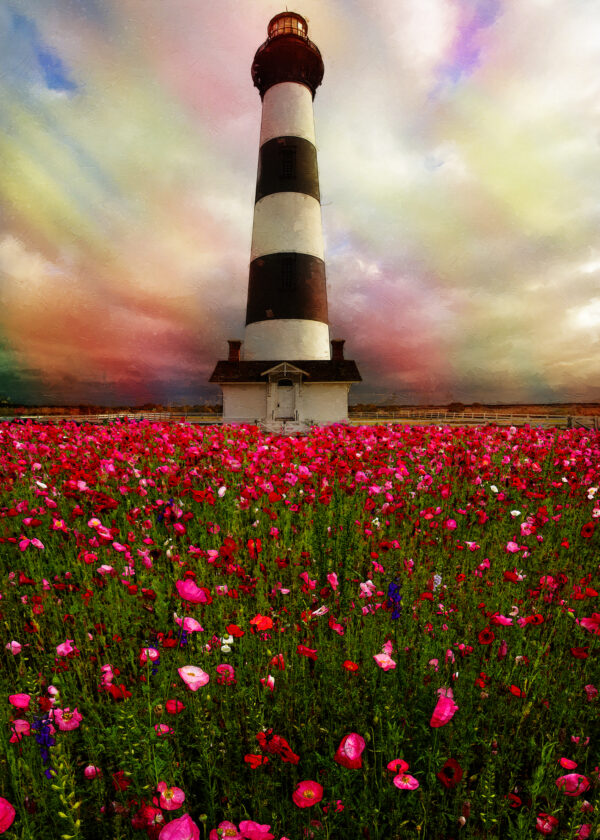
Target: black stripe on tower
{"points": [[287, 285], [287, 164]]}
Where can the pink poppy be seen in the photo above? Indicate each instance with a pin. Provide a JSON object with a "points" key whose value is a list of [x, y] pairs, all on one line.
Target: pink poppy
{"points": [[182, 828], [66, 719], [225, 829], [7, 815], [19, 729], [148, 654], [268, 682], [445, 709], [189, 591], [350, 750], [545, 823], [66, 648], [14, 647], [190, 625], [573, 784], [583, 832], [255, 831], [20, 701], [193, 676], [171, 798], [384, 661], [307, 794], [163, 729], [92, 772], [404, 781], [226, 675]]}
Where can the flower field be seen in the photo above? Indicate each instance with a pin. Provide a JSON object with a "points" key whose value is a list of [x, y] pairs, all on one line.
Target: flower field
{"points": [[375, 632]]}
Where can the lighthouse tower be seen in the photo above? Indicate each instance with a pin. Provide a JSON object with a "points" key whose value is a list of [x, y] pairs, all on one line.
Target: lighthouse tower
{"points": [[286, 369]]}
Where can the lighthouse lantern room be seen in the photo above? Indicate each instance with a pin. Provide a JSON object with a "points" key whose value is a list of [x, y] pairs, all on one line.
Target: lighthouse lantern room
{"points": [[286, 370]]}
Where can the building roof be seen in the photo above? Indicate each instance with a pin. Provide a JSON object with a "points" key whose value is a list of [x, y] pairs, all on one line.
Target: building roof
{"points": [[324, 370]]}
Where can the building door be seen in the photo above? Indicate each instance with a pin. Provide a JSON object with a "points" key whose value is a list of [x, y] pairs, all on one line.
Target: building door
{"points": [[285, 408]]}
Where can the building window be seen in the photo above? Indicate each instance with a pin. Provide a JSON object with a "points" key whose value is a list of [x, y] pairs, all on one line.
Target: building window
{"points": [[288, 272], [288, 162]]}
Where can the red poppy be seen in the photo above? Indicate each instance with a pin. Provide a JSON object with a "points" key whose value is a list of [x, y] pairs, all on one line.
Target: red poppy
{"points": [[174, 707], [261, 622], [349, 665], [119, 692], [119, 780], [516, 691], [486, 636], [306, 651], [587, 530], [255, 760], [580, 652], [450, 774], [235, 631]]}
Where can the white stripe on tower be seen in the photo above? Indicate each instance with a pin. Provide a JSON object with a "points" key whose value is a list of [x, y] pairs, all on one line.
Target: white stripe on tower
{"points": [[286, 316], [287, 110]]}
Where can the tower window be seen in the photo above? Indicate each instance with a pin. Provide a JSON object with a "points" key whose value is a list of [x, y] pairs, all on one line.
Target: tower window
{"points": [[288, 162], [288, 273]]}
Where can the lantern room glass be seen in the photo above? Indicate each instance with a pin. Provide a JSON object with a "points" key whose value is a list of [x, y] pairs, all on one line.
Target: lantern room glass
{"points": [[287, 24]]}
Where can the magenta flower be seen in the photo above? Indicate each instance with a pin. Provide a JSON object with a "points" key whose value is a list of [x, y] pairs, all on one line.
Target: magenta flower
{"points": [[307, 794], [445, 709], [19, 728], [545, 823], [573, 784], [226, 830], [255, 831], [404, 781], [92, 772], [66, 719], [149, 654], [66, 648], [7, 815], [268, 682], [20, 701], [171, 798], [350, 750], [182, 828], [397, 765], [193, 677], [14, 647], [226, 675], [384, 661], [189, 591], [189, 624]]}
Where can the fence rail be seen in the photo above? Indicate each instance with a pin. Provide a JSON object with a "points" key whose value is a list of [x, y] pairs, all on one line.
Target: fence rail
{"points": [[411, 415]]}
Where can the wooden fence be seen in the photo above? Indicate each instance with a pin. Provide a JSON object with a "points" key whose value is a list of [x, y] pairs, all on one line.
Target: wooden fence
{"points": [[401, 415]]}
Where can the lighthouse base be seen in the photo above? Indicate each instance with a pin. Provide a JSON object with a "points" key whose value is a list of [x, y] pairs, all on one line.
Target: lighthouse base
{"points": [[305, 392], [269, 403]]}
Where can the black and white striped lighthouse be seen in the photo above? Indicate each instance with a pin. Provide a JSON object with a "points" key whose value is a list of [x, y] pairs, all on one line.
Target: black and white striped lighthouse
{"points": [[286, 313], [286, 316]]}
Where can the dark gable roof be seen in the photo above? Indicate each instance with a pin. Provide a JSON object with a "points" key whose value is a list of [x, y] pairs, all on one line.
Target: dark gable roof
{"points": [[317, 371]]}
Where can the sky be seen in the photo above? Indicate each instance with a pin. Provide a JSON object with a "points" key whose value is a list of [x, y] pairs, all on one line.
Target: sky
{"points": [[459, 162]]}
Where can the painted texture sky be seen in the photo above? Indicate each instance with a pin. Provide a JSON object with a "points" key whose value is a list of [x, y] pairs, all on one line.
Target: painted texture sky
{"points": [[459, 161]]}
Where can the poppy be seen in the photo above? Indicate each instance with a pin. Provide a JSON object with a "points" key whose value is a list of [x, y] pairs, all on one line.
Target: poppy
{"points": [[587, 530], [450, 774], [486, 636], [255, 760]]}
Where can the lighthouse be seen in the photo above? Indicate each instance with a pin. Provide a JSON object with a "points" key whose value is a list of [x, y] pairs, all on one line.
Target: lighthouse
{"points": [[286, 370]]}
